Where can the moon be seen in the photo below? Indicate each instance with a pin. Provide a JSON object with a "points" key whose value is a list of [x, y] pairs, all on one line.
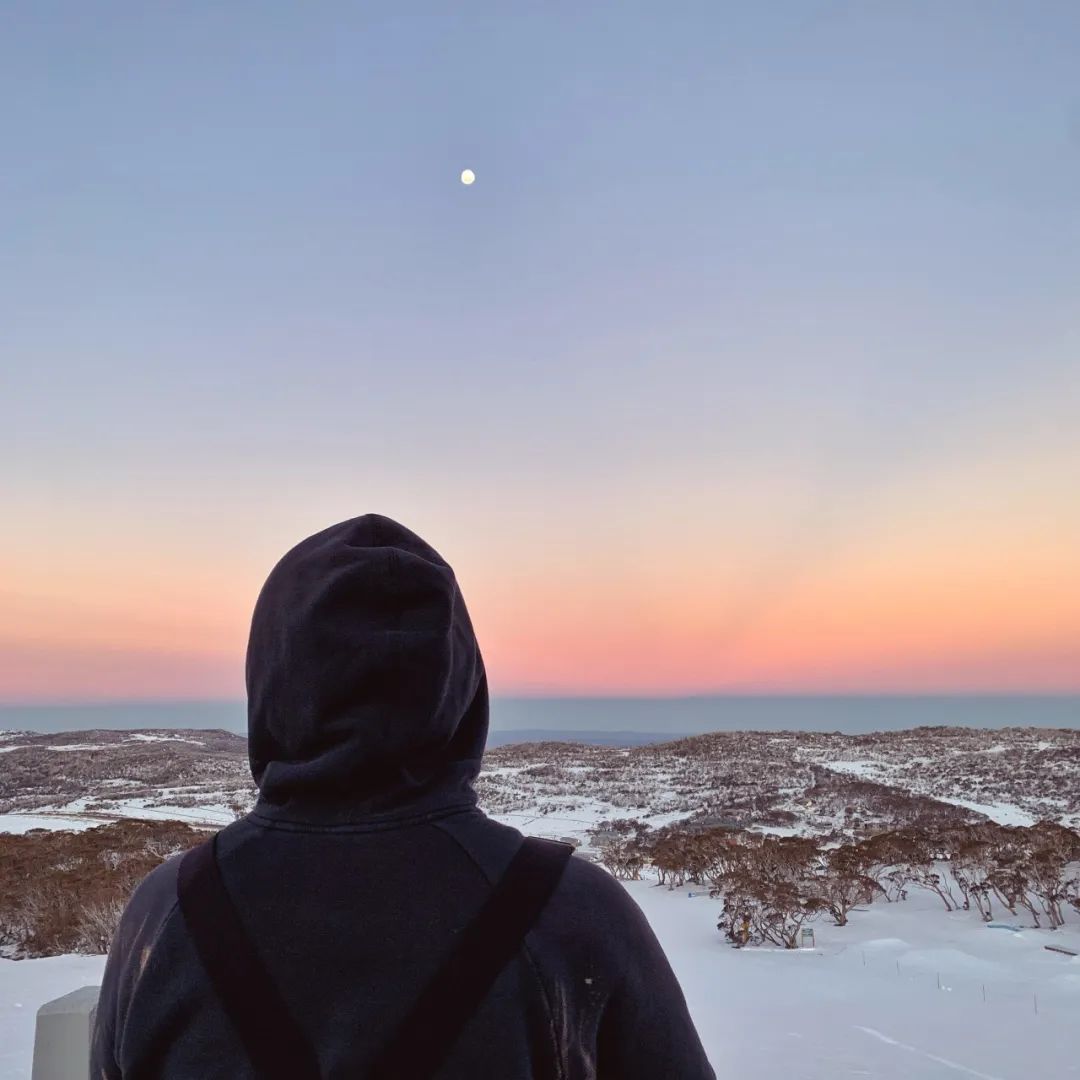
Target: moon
{"points": [[467, 177]]}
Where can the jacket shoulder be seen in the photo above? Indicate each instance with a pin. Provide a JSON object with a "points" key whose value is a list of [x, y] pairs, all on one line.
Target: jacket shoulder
{"points": [[591, 901], [157, 891], [151, 906]]}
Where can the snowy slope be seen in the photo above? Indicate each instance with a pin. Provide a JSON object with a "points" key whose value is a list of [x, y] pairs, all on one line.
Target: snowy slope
{"points": [[864, 1003]]}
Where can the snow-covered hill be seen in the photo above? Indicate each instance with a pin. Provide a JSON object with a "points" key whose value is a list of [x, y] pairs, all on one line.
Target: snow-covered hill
{"points": [[781, 782], [905, 990], [795, 782]]}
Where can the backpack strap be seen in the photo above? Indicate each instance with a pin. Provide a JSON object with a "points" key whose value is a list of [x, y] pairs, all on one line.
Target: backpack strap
{"points": [[277, 1047], [483, 949]]}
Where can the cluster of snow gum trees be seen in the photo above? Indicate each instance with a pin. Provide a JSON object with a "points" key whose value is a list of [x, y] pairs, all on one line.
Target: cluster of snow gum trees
{"points": [[771, 886]]}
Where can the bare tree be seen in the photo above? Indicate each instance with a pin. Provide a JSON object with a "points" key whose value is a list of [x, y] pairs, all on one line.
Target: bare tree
{"points": [[621, 846], [769, 891], [972, 868], [844, 883]]}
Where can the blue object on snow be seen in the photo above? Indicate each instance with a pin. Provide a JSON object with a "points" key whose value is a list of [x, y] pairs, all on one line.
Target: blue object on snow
{"points": [[1003, 926]]}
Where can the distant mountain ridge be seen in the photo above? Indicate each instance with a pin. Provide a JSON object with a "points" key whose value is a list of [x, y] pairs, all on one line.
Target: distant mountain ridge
{"points": [[593, 738], [849, 713]]}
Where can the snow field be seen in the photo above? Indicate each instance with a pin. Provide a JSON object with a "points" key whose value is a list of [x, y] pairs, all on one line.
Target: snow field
{"points": [[864, 1003]]}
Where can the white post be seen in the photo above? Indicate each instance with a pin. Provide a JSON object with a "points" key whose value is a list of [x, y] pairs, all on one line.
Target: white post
{"points": [[62, 1038]]}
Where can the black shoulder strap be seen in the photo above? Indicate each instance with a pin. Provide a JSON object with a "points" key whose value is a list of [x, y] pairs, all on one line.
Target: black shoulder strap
{"points": [[277, 1047], [484, 948]]}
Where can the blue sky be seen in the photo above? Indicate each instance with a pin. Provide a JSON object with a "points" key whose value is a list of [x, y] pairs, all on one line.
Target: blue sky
{"points": [[790, 279]]}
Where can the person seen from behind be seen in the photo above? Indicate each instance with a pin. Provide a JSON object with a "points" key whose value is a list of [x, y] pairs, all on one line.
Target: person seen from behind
{"points": [[366, 919]]}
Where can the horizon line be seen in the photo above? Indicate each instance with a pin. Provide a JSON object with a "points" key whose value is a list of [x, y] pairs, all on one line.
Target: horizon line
{"points": [[855, 695]]}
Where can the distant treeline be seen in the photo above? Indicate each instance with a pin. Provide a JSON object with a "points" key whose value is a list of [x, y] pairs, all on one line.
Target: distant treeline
{"points": [[63, 892]]}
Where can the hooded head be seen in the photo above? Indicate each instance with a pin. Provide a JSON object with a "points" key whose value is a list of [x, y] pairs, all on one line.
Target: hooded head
{"points": [[366, 690]]}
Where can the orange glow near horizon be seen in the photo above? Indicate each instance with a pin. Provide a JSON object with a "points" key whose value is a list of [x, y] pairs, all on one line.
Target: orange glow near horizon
{"points": [[963, 578], [889, 618]]}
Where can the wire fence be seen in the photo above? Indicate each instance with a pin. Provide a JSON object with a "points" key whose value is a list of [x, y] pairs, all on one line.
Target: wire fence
{"points": [[1052, 992], [1047, 983]]}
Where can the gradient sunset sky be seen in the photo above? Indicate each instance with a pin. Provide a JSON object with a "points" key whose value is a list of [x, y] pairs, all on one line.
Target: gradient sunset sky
{"points": [[750, 362]]}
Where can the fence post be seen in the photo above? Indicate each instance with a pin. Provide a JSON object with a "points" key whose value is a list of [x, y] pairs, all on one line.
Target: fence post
{"points": [[62, 1036]]}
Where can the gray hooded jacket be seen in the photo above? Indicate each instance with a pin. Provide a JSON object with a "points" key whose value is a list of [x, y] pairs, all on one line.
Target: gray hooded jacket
{"points": [[366, 854]]}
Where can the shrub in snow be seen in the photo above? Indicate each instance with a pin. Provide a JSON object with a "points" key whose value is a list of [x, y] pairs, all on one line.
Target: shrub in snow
{"points": [[63, 892]]}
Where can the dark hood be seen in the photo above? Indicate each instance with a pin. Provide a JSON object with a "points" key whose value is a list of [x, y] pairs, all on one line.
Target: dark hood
{"points": [[366, 690]]}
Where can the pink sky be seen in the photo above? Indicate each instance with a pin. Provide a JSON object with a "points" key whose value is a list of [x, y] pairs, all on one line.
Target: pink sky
{"points": [[960, 602]]}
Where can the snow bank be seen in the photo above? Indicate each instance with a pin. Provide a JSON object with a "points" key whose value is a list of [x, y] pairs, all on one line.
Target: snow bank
{"points": [[1002, 813], [25, 985], [866, 1002], [21, 823]]}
